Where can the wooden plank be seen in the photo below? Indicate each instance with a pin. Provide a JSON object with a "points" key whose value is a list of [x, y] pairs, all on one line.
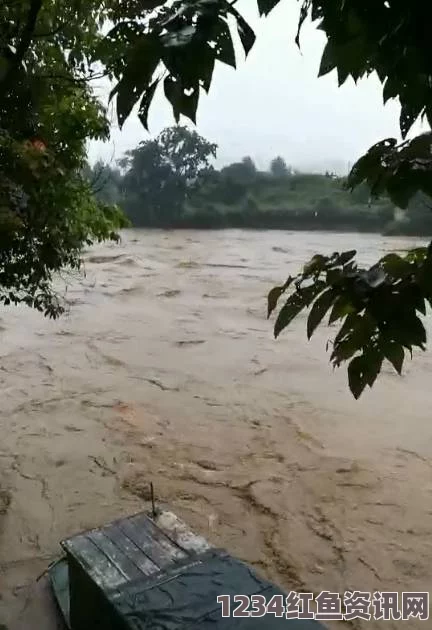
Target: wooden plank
{"points": [[130, 549], [96, 564], [158, 534], [179, 532], [151, 540], [119, 559]]}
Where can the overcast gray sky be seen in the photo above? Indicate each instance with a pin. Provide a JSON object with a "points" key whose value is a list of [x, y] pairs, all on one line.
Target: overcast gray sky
{"points": [[274, 104]]}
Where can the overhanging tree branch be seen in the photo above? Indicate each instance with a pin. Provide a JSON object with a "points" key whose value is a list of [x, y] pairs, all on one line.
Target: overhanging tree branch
{"points": [[29, 28], [25, 41]]}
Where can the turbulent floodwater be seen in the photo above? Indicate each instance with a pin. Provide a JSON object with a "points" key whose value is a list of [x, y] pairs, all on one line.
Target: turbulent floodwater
{"points": [[165, 369]]}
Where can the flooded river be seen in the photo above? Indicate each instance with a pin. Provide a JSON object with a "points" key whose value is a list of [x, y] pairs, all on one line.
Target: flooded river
{"points": [[165, 369]]}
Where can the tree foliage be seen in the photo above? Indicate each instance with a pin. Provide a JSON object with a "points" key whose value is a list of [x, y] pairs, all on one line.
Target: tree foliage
{"points": [[378, 308], [174, 46], [278, 167], [154, 192], [240, 195], [47, 209], [161, 174]]}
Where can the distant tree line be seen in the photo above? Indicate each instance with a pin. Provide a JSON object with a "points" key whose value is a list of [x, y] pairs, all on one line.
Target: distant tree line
{"points": [[169, 182]]}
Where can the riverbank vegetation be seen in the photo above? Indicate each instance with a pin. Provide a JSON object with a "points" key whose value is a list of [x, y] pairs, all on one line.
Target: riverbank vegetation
{"points": [[167, 182]]}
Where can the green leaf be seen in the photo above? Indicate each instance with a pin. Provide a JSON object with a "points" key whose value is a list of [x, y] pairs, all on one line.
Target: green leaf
{"points": [[357, 376], [361, 170], [146, 102], [224, 45], [265, 6], [310, 292], [192, 64], [416, 331], [352, 57], [345, 257], [381, 72], [301, 298], [318, 310], [272, 299], [372, 364], [394, 353], [407, 330], [183, 100], [142, 61], [328, 61], [420, 304], [369, 167], [342, 307], [343, 75], [354, 334], [334, 276], [352, 321], [303, 16], [315, 265], [344, 350], [274, 295], [391, 89], [401, 190], [207, 73], [288, 312], [408, 116], [246, 34], [396, 266]]}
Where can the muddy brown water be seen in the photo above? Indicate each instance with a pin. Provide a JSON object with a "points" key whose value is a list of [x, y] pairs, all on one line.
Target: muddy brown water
{"points": [[165, 370]]}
